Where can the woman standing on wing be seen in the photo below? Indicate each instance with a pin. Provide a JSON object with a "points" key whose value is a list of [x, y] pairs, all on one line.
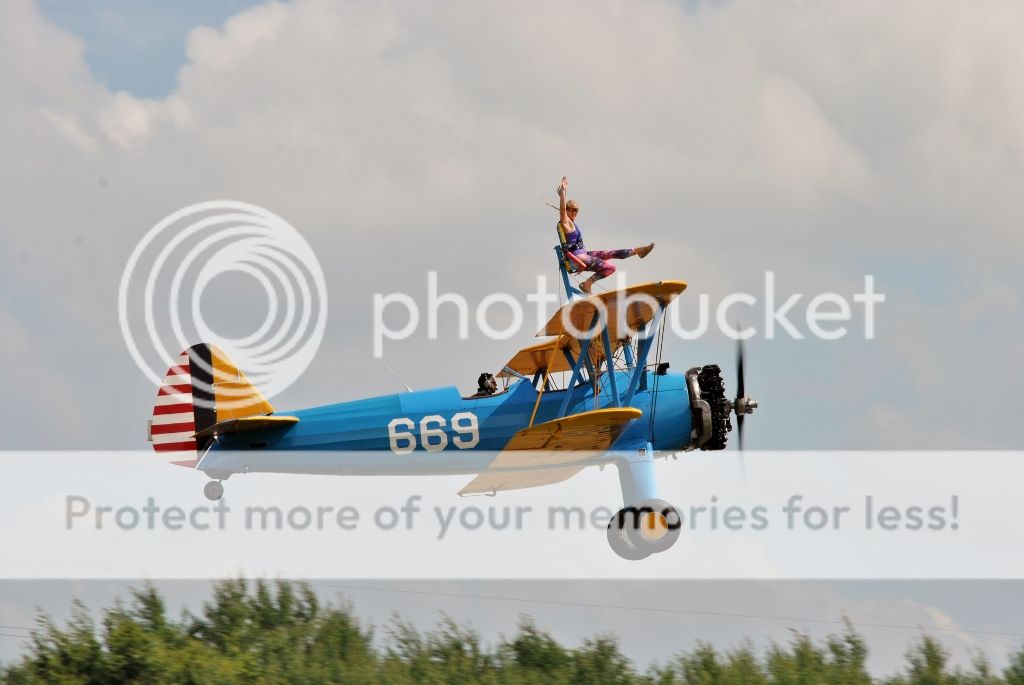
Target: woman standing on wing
{"points": [[572, 242]]}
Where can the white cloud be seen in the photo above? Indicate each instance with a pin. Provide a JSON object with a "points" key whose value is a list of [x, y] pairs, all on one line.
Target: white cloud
{"points": [[125, 120], [244, 34], [401, 138], [804, 152], [69, 128], [43, 398]]}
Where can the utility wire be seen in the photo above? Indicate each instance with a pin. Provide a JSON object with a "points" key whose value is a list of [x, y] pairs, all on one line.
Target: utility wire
{"points": [[624, 607], [666, 610]]}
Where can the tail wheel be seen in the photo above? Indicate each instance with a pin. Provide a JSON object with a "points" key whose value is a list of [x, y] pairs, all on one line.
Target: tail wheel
{"points": [[213, 490], [712, 391]]}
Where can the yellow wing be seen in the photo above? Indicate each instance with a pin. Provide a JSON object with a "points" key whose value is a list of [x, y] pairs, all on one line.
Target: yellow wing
{"points": [[589, 430], [532, 359], [553, 451], [625, 317], [629, 310], [491, 483]]}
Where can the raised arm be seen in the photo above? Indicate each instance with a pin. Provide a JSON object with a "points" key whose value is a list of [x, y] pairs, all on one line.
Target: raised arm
{"points": [[562, 188]]}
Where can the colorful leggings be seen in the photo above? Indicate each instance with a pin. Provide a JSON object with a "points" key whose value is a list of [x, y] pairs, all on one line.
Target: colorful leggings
{"points": [[595, 259]]}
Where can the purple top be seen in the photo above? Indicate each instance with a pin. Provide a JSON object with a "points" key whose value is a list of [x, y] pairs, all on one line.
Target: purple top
{"points": [[574, 240]]}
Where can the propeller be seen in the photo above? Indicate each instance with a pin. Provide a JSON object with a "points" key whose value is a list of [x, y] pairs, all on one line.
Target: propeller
{"points": [[743, 405], [740, 392]]}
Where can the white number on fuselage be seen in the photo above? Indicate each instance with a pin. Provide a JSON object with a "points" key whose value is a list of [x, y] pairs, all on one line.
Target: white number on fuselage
{"points": [[432, 436]]}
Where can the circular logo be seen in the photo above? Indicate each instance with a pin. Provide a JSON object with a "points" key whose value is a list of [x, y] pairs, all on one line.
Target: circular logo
{"points": [[175, 268]]}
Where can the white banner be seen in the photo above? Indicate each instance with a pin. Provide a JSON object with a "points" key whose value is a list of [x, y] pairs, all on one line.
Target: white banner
{"points": [[793, 515]]}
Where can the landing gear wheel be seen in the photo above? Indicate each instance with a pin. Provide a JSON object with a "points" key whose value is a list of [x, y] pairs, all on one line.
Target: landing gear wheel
{"points": [[712, 391], [618, 541], [213, 490], [652, 526]]}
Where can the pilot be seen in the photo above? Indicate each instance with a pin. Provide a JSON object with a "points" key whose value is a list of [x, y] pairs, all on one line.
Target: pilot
{"points": [[572, 242], [486, 385]]}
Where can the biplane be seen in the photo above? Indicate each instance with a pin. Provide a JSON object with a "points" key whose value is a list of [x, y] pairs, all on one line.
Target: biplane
{"points": [[589, 393]]}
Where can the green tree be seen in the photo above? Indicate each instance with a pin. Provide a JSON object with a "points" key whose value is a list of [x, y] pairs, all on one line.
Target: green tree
{"points": [[927, 664], [69, 656], [533, 656], [280, 633], [600, 662], [701, 666], [1014, 672]]}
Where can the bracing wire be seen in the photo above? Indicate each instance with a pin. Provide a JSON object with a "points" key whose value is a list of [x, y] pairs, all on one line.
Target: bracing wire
{"points": [[657, 378]]}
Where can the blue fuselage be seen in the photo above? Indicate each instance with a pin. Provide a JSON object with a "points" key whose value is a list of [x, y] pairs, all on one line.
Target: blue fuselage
{"points": [[440, 432]]}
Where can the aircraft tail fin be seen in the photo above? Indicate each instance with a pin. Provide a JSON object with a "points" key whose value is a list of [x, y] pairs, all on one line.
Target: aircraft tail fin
{"points": [[201, 389]]}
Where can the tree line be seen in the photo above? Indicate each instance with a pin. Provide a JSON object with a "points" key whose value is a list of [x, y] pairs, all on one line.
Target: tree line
{"points": [[282, 633]]}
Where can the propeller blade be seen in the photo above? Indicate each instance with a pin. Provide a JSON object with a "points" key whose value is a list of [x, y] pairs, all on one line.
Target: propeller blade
{"points": [[740, 415], [740, 387]]}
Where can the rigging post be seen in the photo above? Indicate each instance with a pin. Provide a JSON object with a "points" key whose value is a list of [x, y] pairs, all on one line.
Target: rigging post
{"points": [[563, 269]]}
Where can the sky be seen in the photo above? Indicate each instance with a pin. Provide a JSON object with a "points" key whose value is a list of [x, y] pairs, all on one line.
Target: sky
{"points": [[822, 145], [821, 142]]}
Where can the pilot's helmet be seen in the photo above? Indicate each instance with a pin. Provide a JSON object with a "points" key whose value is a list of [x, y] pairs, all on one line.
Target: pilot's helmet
{"points": [[486, 383]]}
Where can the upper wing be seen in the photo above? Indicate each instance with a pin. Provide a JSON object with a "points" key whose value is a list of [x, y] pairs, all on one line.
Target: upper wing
{"points": [[534, 358], [629, 310]]}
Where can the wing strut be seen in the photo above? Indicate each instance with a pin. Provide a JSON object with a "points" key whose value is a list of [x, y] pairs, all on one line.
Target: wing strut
{"points": [[585, 346], [544, 385], [576, 369], [623, 316], [641, 361], [609, 363]]}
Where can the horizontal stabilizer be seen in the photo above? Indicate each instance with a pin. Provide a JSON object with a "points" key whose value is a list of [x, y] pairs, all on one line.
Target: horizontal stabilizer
{"points": [[247, 423]]}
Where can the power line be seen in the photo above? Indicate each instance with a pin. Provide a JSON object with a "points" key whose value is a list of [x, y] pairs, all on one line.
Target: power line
{"points": [[666, 610], [614, 607], [73, 565], [16, 627]]}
